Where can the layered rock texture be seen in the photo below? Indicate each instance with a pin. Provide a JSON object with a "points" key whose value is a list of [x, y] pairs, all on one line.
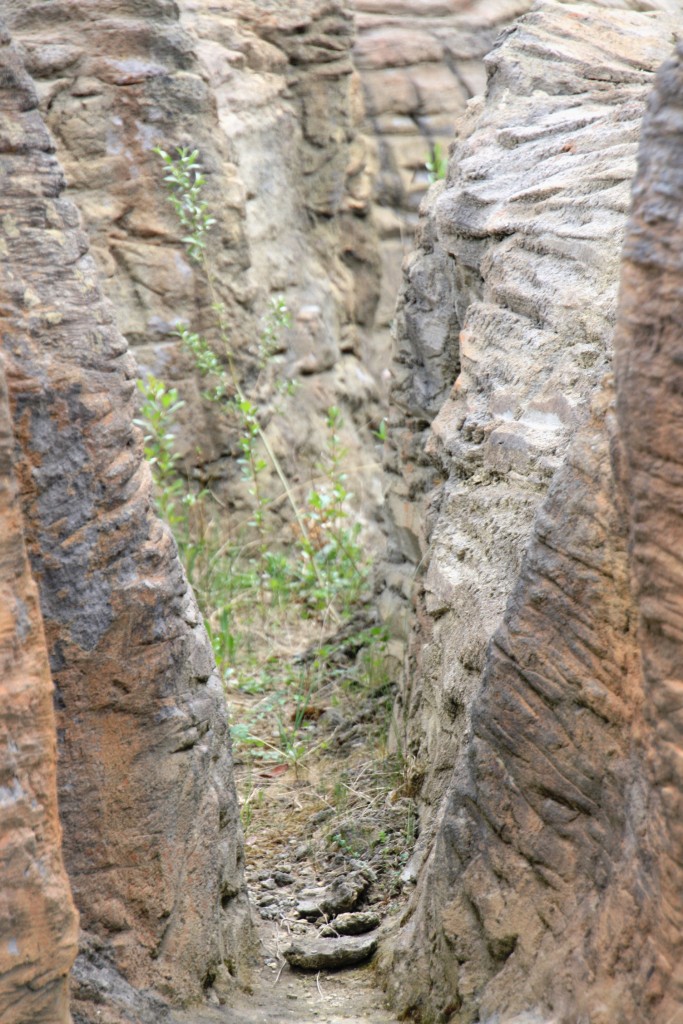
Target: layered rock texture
{"points": [[420, 61], [533, 568], [504, 330], [151, 829], [649, 353], [547, 636], [38, 924], [269, 96]]}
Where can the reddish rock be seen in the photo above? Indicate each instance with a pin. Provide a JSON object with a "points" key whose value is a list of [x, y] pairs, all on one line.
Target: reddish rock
{"points": [[38, 924], [151, 829], [649, 357]]}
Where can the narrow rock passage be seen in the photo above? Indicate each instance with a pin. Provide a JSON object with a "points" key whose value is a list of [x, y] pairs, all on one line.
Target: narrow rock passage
{"points": [[281, 994], [326, 845]]}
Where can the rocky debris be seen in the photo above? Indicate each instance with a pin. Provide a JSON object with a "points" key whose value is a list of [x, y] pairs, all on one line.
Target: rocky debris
{"points": [[38, 923], [298, 897], [504, 330], [152, 841], [330, 954], [342, 895], [350, 924], [552, 891]]}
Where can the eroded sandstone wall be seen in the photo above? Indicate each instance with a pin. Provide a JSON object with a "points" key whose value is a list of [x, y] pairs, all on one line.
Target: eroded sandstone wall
{"points": [[649, 354], [420, 62], [151, 832], [504, 330], [269, 96], [552, 891], [38, 923]]}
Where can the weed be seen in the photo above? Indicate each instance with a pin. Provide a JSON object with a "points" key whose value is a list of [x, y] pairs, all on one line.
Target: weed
{"points": [[436, 163], [263, 592]]}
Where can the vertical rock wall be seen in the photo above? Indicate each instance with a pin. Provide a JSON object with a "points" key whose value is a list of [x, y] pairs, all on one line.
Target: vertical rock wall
{"points": [[504, 331], [649, 354], [269, 96], [151, 828], [38, 924], [419, 62], [552, 891]]}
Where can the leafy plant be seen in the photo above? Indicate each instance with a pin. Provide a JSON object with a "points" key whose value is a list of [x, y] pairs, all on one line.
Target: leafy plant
{"points": [[436, 164], [159, 406]]}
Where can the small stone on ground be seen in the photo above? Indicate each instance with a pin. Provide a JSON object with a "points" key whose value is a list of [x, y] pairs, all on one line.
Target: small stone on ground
{"points": [[330, 954]]}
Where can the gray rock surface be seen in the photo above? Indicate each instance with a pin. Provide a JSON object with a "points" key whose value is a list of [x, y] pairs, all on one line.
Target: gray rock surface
{"points": [[419, 63], [330, 954], [342, 895], [552, 890], [351, 924]]}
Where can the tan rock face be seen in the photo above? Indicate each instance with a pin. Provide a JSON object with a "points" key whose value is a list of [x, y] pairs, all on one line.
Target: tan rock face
{"points": [[38, 923], [552, 892], [510, 299], [151, 831], [269, 96], [419, 63]]}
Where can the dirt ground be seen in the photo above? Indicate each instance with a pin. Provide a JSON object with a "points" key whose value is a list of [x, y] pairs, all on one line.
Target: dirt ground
{"points": [[285, 996]]}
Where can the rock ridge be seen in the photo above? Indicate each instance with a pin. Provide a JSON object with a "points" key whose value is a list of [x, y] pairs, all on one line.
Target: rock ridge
{"points": [[551, 892], [151, 832]]}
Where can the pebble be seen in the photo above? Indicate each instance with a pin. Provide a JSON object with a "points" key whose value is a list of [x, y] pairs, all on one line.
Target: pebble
{"points": [[344, 894], [283, 878]]}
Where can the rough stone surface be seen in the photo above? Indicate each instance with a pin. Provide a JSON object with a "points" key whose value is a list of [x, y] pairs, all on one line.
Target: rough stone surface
{"points": [[649, 352], [269, 96], [420, 63], [330, 954], [552, 892], [38, 924], [351, 924], [152, 842], [504, 331], [539, 892], [343, 895]]}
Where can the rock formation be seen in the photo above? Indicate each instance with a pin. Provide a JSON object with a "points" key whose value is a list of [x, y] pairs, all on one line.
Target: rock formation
{"points": [[504, 331], [552, 891], [152, 842], [269, 96], [649, 353], [37, 918], [539, 711], [419, 62]]}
